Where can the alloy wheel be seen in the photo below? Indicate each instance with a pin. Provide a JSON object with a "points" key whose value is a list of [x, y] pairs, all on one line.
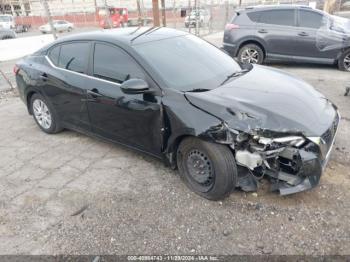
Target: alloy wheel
{"points": [[42, 114], [250, 55]]}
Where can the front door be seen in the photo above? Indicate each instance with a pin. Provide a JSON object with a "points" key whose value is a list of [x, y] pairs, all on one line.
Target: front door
{"points": [[277, 28], [134, 120]]}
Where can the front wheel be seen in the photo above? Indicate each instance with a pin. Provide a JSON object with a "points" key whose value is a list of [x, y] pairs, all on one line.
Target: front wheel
{"points": [[208, 169], [344, 61], [44, 114], [250, 54]]}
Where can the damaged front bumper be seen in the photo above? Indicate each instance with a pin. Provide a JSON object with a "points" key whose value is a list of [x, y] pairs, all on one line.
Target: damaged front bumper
{"points": [[291, 168]]}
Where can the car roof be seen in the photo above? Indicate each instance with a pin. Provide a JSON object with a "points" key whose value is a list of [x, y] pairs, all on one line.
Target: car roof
{"points": [[127, 36], [273, 7]]}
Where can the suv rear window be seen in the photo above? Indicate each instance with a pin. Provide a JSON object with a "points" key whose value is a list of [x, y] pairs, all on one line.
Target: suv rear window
{"points": [[254, 16], [310, 19], [278, 17]]}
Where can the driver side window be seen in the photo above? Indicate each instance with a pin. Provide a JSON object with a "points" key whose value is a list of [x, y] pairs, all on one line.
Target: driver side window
{"points": [[113, 64]]}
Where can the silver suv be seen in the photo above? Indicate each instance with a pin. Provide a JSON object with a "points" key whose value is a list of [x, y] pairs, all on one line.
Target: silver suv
{"points": [[288, 33]]}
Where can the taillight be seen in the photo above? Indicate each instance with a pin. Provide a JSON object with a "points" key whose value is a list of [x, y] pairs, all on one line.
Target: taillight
{"points": [[231, 27], [15, 69]]}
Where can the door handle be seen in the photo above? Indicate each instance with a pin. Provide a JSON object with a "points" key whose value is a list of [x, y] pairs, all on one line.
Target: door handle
{"points": [[262, 31], [94, 93], [43, 76], [303, 34]]}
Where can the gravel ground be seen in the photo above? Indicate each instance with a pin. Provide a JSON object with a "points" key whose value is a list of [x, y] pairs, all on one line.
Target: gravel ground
{"points": [[72, 194]]}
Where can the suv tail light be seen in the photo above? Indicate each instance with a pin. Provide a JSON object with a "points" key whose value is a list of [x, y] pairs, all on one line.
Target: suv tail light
{"points": [[231, 27], [15, 69]]}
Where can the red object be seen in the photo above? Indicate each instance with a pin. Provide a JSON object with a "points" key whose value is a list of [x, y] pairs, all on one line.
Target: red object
{"points": [[231, 26], [15, 69], [112, 17]]}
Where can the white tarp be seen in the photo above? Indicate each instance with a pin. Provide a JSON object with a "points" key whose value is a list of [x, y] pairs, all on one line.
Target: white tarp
{"points": [[11, 49]]}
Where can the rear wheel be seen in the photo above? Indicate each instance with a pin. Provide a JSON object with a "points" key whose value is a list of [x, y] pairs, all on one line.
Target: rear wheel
{"points": [[69, 29], [251, 54], [44, 115], [344, 61], [206, 168]]}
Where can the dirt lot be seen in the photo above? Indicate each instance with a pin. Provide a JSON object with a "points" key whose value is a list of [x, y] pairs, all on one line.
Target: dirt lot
{"points": [[130, 203]]}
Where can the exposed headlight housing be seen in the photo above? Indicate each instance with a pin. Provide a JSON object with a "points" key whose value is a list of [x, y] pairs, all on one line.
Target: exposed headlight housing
{"points": [[296, 141]]}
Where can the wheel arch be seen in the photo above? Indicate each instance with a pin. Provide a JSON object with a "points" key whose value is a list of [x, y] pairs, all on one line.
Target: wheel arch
{"points": [[28, 98], [252, 41]]}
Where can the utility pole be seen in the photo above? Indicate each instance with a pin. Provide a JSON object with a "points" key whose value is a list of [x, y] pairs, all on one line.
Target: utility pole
{"points": [[155, 7], [96, 12], [108, 15], [197, 16], [163, 12], [48, 15], [139, 13], [329, 6]]}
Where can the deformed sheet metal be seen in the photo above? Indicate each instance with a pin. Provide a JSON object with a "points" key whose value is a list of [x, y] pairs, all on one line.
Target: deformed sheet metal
{"points": [[334, 34]]}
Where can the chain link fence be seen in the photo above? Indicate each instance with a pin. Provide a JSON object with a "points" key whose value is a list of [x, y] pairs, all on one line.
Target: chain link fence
{"points": [[201, 17]]}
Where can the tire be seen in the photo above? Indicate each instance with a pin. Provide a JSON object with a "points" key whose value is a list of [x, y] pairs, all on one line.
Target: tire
{"points": [[69, 29], [55, 125], [250, 53], [344, 61], [217, 163]]}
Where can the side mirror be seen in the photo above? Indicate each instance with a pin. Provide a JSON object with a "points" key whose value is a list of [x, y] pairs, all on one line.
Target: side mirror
{"points": [[134, 86]]}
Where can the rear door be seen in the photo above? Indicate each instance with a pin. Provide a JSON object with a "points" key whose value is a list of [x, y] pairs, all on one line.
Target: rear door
{"points": [[65, 80], [278, 28], [310, 37]]}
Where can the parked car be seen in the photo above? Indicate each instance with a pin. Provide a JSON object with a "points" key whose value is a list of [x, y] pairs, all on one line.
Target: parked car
{"points": [[59, 26], [22, 28], [7, 34], [9, 22], [201, 15], [112, 17], [222, 125], [287, 33]]}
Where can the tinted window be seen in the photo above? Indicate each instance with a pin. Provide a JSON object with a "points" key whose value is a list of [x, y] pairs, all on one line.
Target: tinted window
{"points": [[113, 64], [254, 16], [180, 62], [310, 19], [74, 57], [278, 17], [54, 54]]}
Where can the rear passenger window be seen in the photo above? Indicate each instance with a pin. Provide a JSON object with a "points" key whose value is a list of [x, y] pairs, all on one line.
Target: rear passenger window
{"points": [[254, 16], [113, 64], [310, 19], [74, 57], [278, 17], [54, 54]]}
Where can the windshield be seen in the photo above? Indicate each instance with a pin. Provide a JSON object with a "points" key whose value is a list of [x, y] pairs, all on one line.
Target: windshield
{"points": [[5, 18], [187, 63]]}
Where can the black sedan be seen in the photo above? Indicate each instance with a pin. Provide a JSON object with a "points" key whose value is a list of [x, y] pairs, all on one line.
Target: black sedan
{"points": [[180, 99]]}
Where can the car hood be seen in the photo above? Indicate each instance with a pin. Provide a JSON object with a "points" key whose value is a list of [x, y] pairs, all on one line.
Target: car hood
{"points": [[268, 99]]}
